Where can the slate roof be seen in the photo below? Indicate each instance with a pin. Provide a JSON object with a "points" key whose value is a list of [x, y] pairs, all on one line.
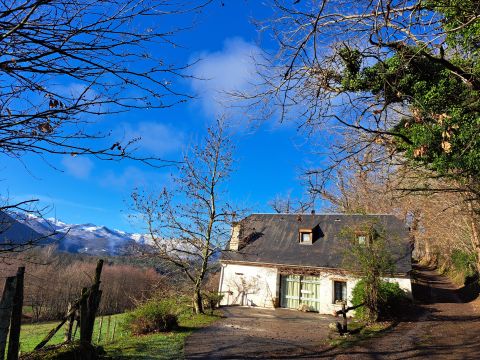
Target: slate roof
{"points": [[273, 239]]}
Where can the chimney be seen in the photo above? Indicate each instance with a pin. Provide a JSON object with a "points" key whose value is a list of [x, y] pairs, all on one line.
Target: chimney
{"points": [[235, 238]]}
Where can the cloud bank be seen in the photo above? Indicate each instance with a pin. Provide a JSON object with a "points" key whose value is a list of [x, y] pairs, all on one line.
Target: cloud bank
{"points": [[155, 138], [78, 166], [229, 70]]}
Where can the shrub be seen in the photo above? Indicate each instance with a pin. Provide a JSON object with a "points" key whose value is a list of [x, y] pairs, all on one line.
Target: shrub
{"points": [[464, 262], [392, 300], [211, 299], [153, 316]]}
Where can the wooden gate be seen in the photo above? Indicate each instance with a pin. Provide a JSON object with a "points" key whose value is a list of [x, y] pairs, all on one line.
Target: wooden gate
{"points": [[299, 290]]}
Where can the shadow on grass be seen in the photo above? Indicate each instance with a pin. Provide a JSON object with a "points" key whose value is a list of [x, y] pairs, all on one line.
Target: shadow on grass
{"points": [[168, 345], [146, 349]]}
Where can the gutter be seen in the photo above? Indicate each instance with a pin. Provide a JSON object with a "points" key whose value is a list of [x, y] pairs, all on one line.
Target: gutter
{"points": [[276, 265]]}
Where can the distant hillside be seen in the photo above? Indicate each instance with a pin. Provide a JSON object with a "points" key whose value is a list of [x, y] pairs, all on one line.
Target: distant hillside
{"points": [[74, 238], [13, 232]]}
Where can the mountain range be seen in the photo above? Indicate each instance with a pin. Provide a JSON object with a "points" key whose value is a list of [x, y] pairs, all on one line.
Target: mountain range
{"points": [[74, 238]]}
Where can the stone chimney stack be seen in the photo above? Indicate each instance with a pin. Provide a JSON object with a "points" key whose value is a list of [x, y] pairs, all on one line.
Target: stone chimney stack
{"points": [[235, 239]]}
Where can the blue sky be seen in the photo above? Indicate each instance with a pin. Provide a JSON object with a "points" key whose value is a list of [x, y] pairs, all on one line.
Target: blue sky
{"points": [[269, 158]]}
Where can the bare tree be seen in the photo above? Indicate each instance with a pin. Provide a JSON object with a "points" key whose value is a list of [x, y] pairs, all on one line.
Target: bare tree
{"points": [[387, 84], [288, 205], [190, 222], [334, 75], [65, 63], [439, 221]]}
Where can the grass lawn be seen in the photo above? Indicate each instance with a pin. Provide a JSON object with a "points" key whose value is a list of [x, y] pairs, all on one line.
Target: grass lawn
{"points": [[159, 346], [32, 334], [155, 346]]}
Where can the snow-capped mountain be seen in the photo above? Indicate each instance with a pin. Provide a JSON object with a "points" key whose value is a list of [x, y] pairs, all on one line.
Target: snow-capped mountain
{"points": [[82, 238]]}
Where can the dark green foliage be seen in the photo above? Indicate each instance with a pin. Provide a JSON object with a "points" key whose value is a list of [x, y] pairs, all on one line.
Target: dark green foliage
{"points": [[372, 260], [458, 15], [439, 84], [392, 300], [443, 131], [153, 316], [211, 299], [464, 262]]}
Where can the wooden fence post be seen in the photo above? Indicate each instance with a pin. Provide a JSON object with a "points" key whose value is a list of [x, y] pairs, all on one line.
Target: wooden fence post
{"points": [[16, 320], [75, 331], [342, 329], [83, 317], [107, 334], [88, 309], [6, 304], [99, 337], [344, 313], [88, 304], [69, 324], [112, 338]]}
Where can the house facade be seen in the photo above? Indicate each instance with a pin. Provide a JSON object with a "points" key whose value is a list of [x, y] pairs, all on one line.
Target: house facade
{"points": [[297, 261]]}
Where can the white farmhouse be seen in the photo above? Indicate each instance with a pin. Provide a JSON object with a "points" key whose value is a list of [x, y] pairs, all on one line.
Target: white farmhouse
{"points": [[297, 261]]}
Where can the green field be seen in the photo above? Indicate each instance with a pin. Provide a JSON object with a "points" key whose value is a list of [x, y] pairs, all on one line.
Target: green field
{"points": [[124, 346]]}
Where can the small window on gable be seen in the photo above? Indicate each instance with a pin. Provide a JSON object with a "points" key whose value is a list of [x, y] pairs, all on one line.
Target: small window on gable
{"points": [[339, 292], [305, 236], [362, 239]]}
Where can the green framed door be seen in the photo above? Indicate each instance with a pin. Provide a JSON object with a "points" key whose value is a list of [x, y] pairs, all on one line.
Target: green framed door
{"points": [[290, 291], [297, 290]]}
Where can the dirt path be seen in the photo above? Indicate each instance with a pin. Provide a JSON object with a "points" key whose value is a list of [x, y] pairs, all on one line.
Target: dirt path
{"points": [[444, 328], [256, 332]]}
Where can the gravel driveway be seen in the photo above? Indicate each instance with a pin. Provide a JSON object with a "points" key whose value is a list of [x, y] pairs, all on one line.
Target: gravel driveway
{"points": [[446, 326], [254, 333]]}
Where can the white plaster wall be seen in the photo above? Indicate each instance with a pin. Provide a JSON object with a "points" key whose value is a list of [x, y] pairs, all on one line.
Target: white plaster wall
{"points": [[328, 307], [259, 286], [326, 304], [249, 285], [404, 283]]}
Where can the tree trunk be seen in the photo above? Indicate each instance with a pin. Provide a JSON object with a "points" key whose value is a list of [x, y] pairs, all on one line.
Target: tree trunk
{"points": [[429, 256], [197, 301], [16, 319], [6, 304], [371, 299]]}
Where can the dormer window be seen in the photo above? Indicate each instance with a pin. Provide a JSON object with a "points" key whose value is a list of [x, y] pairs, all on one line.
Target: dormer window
{"points": [[362, 238], [305, 236]]}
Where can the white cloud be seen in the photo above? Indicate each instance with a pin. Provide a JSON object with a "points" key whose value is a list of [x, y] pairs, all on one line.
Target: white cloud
{"points": [[155, 138], [131, 177], [51, 202], [78, 166], [228, 70]]}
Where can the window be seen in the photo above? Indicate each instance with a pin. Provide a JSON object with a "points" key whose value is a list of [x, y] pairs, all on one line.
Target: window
{"points": [[305, 237], [362, 239], [339, 291]]}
